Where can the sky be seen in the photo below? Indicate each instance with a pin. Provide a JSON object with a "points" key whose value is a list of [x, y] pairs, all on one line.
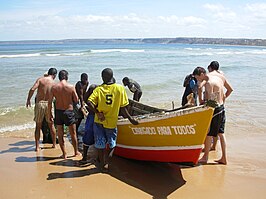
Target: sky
{"points": [[80, 19]]}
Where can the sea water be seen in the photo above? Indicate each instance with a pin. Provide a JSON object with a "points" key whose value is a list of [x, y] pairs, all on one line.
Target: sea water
{"points": [[159, 68]]}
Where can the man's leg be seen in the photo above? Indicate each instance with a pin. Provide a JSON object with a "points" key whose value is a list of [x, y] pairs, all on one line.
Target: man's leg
{"points": [[214, 143], [223, 147], [53, 133], [77, 126], [85, 153], [107, 156], [101, 158], [73, 134], [37, 136], [61, 141], [111, 140], [207, 148]]}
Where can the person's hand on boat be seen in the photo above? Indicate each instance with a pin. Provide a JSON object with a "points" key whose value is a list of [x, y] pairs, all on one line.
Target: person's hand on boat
{"points": [[133, 121], [100, 115]]}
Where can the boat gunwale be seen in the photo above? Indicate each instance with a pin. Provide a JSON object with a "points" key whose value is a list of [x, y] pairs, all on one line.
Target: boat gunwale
{"points": [[151, 117]]}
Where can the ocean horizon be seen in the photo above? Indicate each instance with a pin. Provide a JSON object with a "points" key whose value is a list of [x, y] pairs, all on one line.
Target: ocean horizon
{"points": [[159, 68]]}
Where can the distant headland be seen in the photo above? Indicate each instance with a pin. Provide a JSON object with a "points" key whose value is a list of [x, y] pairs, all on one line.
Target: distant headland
{"points": [[178, 40]]}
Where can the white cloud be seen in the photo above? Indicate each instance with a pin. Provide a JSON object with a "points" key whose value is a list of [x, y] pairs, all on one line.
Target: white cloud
{"points": [[257, 9], [182, 21], [220, 13], [215, 20]]}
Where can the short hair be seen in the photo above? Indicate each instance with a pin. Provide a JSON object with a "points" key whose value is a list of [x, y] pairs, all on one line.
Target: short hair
{"points": [[63, 74], [83, 76], [52, 71], [125, 80], [107, 75], [199, 70], [214, 65]]}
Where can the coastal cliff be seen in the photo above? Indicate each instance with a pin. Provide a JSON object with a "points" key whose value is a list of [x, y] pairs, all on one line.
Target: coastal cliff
{"points": [[178, 40]]}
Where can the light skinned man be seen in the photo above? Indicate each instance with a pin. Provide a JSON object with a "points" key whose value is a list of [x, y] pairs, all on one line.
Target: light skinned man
{"points": [[43, 86], [214, 90], [65, 95]]}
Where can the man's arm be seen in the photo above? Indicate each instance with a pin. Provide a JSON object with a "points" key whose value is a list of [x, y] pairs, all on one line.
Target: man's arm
{"points": [[50, 101], [74, 95], [31, 92], [229, 89], [125, 113], [80, 93], [201, 97], [92, 107]]}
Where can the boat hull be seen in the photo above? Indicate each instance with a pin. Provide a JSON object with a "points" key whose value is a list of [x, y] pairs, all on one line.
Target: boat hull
{"points": [[167, 137]]}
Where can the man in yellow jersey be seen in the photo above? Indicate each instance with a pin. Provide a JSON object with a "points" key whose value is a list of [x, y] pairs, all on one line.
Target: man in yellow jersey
{"points": [[106, 101]]}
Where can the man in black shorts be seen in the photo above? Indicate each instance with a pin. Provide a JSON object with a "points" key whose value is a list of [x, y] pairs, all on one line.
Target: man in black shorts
{"points": [[65, 96], [214, 87]]}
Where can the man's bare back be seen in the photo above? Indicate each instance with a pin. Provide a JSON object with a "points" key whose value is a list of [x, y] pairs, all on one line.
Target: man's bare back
{"points": [[65, 95], [43, 86], [214, 88]]}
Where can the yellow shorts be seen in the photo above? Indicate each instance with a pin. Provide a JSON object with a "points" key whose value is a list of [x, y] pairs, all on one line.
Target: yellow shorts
{"points": [[41, 112]]}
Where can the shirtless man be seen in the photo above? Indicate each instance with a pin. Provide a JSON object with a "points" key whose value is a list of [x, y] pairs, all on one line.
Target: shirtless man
{"points": [[214, 66], [81, 88], [214, 87], [65, 96], [134, 87], [43, 86]]}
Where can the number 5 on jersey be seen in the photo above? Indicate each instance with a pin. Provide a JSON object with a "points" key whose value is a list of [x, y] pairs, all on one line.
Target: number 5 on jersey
{"points": [[109, 100]]}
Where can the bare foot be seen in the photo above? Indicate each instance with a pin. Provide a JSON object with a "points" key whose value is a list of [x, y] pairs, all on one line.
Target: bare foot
{"points": [[212, 149], [203, 160], [53, 146], [77, 154], [63, 156], [37, 149], [221, 161]]}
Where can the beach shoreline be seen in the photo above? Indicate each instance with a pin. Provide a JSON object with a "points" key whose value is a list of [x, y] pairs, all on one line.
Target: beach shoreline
{"points": [[45, 175]]}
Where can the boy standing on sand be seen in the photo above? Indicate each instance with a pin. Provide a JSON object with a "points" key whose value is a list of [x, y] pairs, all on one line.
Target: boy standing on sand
{"points": [[214, 85], [106, 101], [43, 86], [65, 96]]}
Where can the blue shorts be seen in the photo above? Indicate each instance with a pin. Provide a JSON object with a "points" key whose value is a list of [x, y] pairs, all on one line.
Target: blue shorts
{"points": [[88, 137], [103, 136]]}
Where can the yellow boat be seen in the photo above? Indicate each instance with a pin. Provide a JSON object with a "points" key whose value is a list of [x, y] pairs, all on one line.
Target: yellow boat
{"points": [[164, 136]]}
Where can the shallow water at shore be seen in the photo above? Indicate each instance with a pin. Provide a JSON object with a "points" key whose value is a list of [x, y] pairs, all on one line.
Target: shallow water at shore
{"points": [[160, 69]]}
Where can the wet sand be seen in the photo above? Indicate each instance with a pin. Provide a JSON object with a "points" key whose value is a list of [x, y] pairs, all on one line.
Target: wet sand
{"points": [[27, 174]]}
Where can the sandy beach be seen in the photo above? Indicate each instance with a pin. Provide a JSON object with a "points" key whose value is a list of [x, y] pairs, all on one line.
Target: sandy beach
{"points": [[27, 174]]}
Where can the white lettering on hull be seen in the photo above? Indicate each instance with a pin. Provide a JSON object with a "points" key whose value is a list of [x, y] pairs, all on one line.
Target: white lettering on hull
{"points": [[165, 130]]}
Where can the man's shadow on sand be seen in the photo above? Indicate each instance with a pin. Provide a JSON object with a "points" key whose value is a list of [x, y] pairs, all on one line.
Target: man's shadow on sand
{"points": [[35, 159], [19, 147], [156, 179]]}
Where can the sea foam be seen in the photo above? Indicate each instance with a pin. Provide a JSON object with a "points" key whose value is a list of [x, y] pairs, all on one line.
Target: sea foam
{"points": [[17, 127]]}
